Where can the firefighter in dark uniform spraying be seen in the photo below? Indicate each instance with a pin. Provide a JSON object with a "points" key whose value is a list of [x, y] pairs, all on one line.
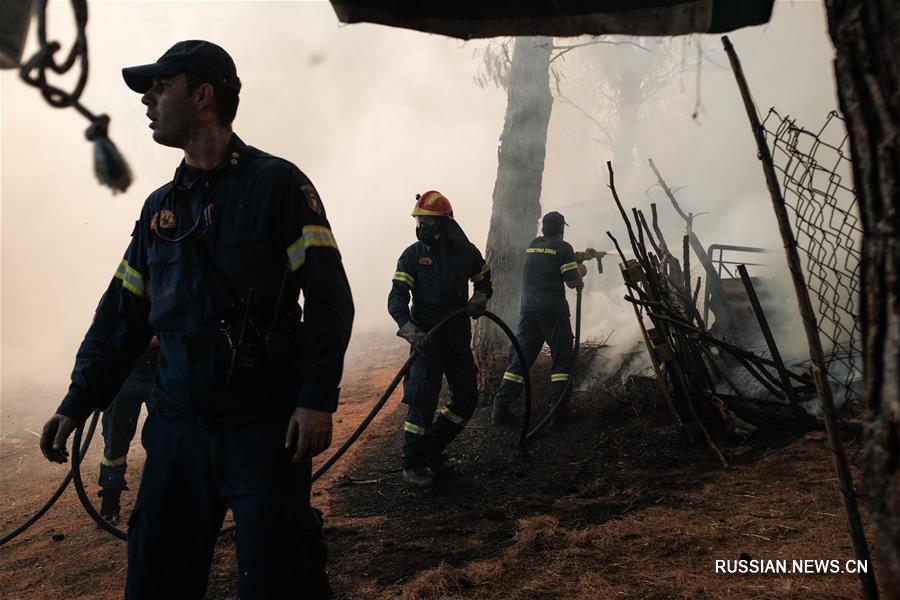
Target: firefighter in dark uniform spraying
{"points": [[245, 387], [119, 426], [436, 272], [549, 264]]}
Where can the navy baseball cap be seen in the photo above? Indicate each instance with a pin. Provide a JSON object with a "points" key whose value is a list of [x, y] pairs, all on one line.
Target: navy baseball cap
{"points": [[197, 57], [554, 220]]}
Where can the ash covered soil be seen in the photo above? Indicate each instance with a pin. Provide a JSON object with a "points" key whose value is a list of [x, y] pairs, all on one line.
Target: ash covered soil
{"points": [[613, 503]]}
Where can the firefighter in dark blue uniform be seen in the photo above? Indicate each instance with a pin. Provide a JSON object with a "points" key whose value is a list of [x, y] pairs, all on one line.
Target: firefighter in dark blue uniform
{"points": [[214, 269], [549, 265], [436, 272], [119, 426]]}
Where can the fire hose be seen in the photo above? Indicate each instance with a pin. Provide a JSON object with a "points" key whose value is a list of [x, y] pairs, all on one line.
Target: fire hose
{"points": [[402, 373], [77, 456], [13, 533]]}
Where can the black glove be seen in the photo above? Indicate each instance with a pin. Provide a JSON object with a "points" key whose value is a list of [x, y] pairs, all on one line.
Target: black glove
{"points": [[477, 305], [412, 334]]}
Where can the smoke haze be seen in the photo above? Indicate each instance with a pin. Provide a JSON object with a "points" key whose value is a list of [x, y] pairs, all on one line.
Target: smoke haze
{"points": [[372, 115]]}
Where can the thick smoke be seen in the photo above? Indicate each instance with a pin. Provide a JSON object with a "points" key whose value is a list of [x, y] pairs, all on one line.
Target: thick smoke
{"points": [[373, 115]]}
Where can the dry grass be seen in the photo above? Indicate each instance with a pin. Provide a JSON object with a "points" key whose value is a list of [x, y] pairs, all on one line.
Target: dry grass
{"points": [[666, 552]]}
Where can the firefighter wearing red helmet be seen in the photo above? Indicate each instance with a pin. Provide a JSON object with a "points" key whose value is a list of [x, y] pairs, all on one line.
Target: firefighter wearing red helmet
{"points": [[434, 273]]}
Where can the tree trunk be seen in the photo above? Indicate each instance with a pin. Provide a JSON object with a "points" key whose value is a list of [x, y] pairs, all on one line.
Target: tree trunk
{"points": [[517, 190], [630, 71], [866, 35]]}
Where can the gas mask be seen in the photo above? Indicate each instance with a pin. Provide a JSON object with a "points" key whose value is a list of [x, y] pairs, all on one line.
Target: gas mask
{"points": [[429, 233]]}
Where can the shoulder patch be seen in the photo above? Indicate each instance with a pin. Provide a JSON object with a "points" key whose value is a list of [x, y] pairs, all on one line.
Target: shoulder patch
{"points": [[167, 219], [312, 198], [425, 261]]}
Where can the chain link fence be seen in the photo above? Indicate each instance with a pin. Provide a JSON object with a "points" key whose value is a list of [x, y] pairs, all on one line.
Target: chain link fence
{"points": [[816, 177]]}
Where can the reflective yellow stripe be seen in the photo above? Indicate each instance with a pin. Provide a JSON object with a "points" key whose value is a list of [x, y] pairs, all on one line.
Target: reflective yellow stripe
{"points": [[481, 274], [568, 267], [559, 377], [453, 418], [405, 278], [413, 428], [541, 250], [513, 377], [113, 462], [313, 235], [131, 279], [424, 212]]}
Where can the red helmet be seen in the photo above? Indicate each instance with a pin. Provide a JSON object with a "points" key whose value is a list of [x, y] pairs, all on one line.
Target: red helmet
{"points": [[432, 204]]}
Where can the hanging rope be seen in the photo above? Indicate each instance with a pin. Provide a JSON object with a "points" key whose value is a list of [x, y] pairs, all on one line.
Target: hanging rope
{"points": [[109, 165]]}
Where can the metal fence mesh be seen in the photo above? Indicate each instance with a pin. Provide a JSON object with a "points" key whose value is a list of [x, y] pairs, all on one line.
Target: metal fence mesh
{"points": [[816, 178]]}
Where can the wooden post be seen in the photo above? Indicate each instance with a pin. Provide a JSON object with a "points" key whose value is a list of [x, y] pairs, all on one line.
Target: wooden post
{"points": [[817, 355], [767, 334]]}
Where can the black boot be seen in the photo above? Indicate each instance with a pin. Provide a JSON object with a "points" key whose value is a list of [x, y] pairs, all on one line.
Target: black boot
{"points": [[418, 477], [110, 505]]}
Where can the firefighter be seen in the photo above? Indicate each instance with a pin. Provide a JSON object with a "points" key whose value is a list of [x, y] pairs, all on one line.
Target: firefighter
{"points": [[544, 316], [435, 271], [119, 426], [243, 397]]}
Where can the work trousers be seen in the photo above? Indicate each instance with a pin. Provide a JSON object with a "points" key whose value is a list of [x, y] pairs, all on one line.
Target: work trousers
{"points": [[119, 426], [424, 434], [534, 329], [192, 474]]}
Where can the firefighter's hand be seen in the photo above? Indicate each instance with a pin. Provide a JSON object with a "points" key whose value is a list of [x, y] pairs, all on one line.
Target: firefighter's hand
{"points": [[309, 432], [412, 334], [582, 269], [54, 436], [477, 305]]}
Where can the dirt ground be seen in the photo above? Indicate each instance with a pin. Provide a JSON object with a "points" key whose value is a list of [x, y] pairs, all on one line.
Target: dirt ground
{"points": [[613, 503]]}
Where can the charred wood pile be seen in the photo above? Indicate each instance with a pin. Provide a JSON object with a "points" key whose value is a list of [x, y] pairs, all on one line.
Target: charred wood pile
{"points": [[697, 365]]}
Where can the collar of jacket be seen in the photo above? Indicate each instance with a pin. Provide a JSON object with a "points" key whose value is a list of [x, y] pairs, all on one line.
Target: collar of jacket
{"points": [[233, 160]]}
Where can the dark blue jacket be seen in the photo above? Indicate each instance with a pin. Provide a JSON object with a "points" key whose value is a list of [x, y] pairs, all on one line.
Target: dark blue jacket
{"points": [[549, 261], [263, 224], [437, 281]]}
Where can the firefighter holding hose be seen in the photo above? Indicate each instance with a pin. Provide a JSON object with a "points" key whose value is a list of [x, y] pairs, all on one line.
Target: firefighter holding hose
{"points": [[550, 263], [435, 272]]}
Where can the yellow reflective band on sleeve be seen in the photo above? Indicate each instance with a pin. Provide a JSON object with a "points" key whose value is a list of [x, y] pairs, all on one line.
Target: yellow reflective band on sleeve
{"points": [[568, 267], [405, 278], [413, 428], [481, 274], [313, 235], [113, 462], [541, 250], [559, 377], [452, 417], [131, 279], [513, 377]]}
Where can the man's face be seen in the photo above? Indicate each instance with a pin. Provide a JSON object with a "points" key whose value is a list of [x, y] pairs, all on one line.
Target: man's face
{"points": [[171, 111]]}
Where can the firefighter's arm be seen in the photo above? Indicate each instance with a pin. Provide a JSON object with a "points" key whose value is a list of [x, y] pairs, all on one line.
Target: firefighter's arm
{"points": [[314, 259], [481, 280], [570, 269], [402, 284], [116, 339], [481, 274]]}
